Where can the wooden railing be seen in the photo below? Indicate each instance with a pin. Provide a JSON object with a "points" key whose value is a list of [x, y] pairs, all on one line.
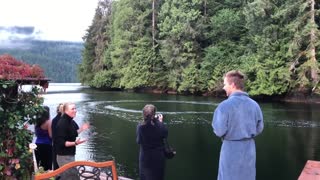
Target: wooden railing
{"points": [[86, 170]]}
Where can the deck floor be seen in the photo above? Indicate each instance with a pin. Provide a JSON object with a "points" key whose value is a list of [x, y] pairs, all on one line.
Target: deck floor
{"points": [[311, 171]]}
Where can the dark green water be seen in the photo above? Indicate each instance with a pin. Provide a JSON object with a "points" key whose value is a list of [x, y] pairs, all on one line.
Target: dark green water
{"points": [[290, 137]]}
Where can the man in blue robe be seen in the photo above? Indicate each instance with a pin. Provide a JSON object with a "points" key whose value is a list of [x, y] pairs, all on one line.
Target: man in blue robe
{"points": [[237, 120]]}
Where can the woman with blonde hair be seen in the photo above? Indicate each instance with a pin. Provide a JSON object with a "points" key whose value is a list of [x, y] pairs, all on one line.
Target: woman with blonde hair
{"points": [[66, 140], [55, 121]]}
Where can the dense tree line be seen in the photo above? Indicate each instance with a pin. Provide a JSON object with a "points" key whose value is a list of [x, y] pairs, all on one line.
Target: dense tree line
{"points": [[187, 45], [59, 59]]}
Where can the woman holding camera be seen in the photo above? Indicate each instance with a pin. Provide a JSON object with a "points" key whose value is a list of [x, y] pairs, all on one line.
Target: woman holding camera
{"points": [[150, 135]]}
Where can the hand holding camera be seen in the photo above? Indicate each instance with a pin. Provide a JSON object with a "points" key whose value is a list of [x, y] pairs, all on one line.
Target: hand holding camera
{"points": [[159, 117]]}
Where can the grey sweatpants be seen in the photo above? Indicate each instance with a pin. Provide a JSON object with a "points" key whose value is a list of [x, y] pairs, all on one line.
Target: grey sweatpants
{"points": [[71, 174]]}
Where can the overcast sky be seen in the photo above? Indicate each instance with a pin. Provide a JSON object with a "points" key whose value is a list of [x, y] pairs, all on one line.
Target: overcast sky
{"points": [[65, 20]]}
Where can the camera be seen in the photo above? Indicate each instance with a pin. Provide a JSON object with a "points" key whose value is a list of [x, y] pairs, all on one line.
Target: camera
{"points": [[157, 116]]}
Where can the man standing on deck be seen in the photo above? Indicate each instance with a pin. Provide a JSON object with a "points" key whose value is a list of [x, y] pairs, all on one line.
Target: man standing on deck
{"points": [[237, 120]]}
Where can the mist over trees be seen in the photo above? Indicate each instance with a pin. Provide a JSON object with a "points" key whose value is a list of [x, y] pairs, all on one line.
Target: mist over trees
{"points": [[58, 59], [187, 45]]}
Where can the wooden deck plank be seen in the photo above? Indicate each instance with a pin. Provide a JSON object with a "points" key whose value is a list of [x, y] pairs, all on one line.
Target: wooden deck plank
{"points": [[311, 171]]}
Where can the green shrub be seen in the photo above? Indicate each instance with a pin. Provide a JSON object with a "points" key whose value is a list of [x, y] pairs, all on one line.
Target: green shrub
{"points": [[16, 110]]}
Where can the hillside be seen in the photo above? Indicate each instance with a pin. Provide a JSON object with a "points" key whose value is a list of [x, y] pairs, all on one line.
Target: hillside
{"points": [[59, 59], [187, 46]]}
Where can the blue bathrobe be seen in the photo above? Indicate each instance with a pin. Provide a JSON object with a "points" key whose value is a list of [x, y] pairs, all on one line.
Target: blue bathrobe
{"points": [[237, 121]]}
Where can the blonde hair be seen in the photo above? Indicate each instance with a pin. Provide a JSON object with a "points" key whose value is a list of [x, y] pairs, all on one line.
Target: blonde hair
{"points": [[60, 108], [66, 106]]}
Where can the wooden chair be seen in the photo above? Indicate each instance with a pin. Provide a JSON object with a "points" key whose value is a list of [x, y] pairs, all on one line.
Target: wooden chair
{"points": [[87, 170]]}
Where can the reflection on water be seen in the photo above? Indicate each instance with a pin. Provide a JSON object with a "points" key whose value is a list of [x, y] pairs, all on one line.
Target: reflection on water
{"points": [[290, 137], [63, 87]]}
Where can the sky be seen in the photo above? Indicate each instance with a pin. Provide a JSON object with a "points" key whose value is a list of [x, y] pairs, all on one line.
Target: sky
{"points": [[61, 20]]}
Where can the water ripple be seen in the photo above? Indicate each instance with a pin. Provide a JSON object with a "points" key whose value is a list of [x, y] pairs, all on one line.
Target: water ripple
{"points": [[295, 123], [179, 117], [157, 101], [162, 112]]}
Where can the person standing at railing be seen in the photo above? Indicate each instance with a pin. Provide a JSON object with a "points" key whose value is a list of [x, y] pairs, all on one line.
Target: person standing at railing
{"points": [[43, 139], [150, 135], [237, 121], [55, 121], [66, 140]]}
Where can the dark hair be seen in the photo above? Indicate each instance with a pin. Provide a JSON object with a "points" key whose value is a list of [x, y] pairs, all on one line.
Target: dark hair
{"points": [[149, 112], [235, 77], [43, 116]]}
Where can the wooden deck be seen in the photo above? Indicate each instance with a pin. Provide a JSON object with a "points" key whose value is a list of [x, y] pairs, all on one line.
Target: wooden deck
{"points": [[311, 171]]}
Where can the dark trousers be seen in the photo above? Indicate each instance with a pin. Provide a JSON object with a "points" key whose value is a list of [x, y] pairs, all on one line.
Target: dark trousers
{"points": [[152, 164], [54, 158], [43, 156]]}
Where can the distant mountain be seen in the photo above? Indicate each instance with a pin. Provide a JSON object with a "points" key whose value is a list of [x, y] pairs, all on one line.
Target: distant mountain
{"points": [[59, 59]]}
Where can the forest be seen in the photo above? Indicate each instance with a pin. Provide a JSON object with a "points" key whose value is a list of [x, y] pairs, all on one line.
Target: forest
{"points": [[186, 46], [58, 59]]}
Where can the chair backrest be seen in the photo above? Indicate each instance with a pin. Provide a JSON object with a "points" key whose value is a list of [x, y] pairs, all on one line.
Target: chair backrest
{"points": [[86, 169]]}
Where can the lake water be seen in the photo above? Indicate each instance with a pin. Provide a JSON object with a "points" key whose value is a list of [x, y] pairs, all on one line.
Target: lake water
{"points": [[290, 138]]}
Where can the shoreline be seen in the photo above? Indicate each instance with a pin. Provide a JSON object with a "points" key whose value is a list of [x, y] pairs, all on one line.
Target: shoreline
{"points": [[292, 98]]}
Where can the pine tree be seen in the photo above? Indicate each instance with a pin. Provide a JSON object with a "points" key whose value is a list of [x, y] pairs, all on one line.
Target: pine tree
{"points": [[179, 24]]}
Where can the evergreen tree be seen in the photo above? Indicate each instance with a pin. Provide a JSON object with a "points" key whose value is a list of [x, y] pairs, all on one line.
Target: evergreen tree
{"points": [[303, 31], [280, 34], [143, 69], [95, 44], [179, 24], [265, 62], [227, 36], [187, 45]]}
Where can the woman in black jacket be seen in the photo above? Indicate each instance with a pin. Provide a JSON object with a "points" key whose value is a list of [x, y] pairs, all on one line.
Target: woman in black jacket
{"points": [[65, 140], [150, 135], [54, 123]]}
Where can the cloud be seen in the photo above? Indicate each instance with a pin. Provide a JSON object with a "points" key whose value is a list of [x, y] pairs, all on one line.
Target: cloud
{"points": [[18, 36], [18, 33], [56, 20], [19, 30]]}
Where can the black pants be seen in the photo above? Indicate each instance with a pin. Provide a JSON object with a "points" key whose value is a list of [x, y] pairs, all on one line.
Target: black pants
{"points": [[44, 156], [54, 158]]}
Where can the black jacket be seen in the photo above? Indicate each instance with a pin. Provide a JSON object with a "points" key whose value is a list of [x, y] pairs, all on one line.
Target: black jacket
{"points": [[54, 123], [66, 130]]}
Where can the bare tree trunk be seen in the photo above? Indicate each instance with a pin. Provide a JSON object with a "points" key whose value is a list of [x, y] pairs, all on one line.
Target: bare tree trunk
{"points": [[205, 8], [153, 23], [314, 70]]}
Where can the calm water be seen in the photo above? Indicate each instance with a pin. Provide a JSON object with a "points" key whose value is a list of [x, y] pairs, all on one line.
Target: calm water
{"points": [[291, 135]]}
